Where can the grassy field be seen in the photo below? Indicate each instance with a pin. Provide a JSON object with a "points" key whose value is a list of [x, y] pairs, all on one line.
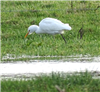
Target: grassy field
{"points": [[82, 82], [17, 16]]}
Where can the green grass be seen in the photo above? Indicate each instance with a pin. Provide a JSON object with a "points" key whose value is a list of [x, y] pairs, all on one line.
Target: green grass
{"points": [[17, 16], [82, 82]]}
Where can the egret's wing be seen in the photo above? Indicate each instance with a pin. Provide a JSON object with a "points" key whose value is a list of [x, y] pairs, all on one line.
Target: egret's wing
{"points": [[50, 25]]}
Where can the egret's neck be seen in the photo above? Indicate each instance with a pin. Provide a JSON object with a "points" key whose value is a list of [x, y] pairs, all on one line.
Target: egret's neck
{"points": [[39, 31]]}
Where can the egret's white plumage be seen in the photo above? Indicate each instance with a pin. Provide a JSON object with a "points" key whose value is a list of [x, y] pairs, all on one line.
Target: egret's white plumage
{"points": [[49, 26]]}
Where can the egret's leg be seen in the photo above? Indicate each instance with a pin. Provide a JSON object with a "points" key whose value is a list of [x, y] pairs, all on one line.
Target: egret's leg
{"points": [[63, 38], [54, 37]]}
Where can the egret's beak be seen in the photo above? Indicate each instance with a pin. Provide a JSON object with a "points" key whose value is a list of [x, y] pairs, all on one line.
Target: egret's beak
{"points": [[27, 34]]}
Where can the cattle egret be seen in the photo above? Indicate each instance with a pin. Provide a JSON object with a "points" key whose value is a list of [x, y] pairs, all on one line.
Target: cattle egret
{"points": [[49, 26]]}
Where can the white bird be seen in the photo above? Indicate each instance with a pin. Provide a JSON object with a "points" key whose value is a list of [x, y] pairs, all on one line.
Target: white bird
{"points": [[49, 26]]}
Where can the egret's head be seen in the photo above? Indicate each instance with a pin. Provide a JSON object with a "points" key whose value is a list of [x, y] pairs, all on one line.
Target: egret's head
{"points": [[31, 29]]}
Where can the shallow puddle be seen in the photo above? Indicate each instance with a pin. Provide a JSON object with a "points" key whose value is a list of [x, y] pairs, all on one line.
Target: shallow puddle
{"points": [[37, 67]]}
